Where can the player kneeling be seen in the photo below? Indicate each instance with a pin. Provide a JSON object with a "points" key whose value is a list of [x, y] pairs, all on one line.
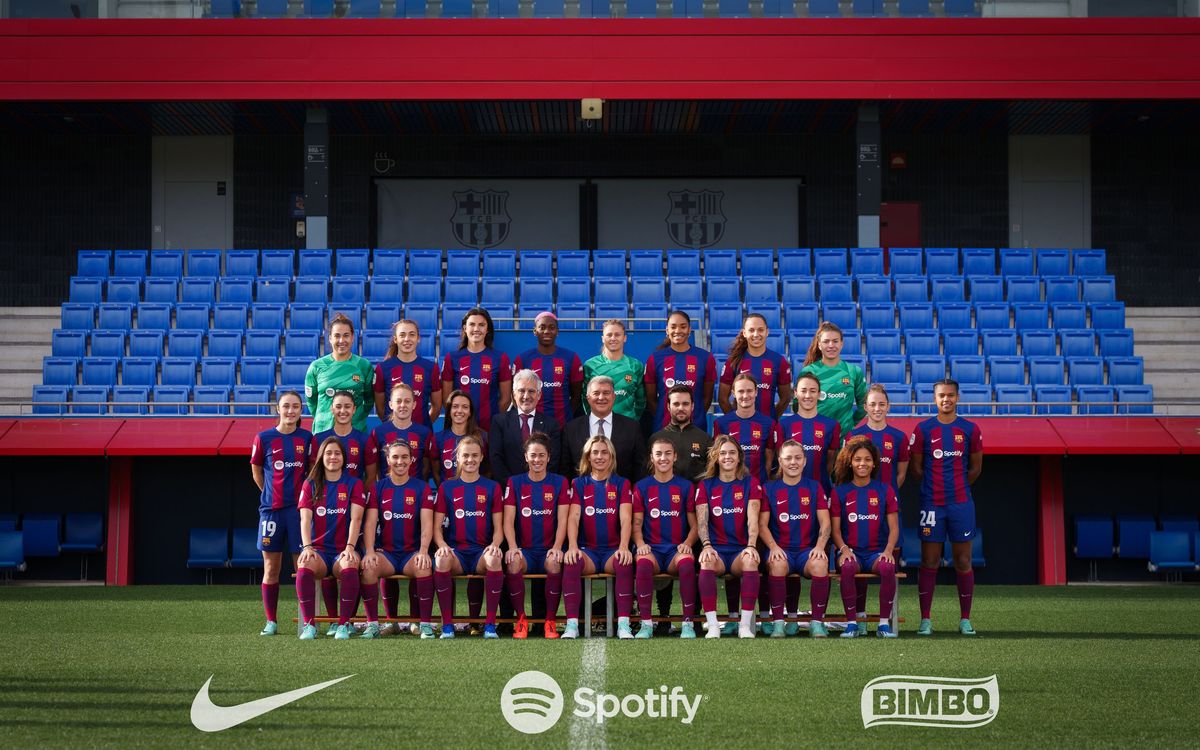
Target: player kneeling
{"points": [[866, 528], [536, 511], [331, 513], [400, 509], [795, 527], [664, 532], [732, 498], [468, 530]]}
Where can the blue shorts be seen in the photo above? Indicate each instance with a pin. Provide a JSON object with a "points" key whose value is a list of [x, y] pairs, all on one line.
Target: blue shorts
{"points": [[955, 522], [866, 560], [469, 558], [599, 557], [663, 555], [330, 558], [397, 559], [728, 553], [797, 560], [535, 560], [279, 530]]}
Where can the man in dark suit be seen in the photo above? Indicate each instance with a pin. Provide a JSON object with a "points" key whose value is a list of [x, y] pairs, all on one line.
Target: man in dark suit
{"points": [[625, 433], [506, 438]]}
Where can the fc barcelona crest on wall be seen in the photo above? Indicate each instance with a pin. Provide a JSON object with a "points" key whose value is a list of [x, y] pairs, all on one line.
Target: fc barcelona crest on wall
{"points": [[696, 219], [481, 218]]}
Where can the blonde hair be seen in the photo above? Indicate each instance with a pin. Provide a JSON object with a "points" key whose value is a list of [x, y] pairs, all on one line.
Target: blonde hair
{"points": [[713, 469], [464, 440], [585, 460], [789, 443]]}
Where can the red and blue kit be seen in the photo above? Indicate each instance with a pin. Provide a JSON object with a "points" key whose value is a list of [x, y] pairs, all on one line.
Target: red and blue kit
{"points": [[794, 523], [558, 371], [331, 514], [354, 445], [443, 448], [770, 370], [667, 368], [600, 504], [398, 535], [864, 512], [536, 505], [284, 460], [421, 374], [664, 507], [820, 437], [468, 524], [946, 503], [756, 434], [892, 444], [479, 375], [728, 513], [417, 437]]}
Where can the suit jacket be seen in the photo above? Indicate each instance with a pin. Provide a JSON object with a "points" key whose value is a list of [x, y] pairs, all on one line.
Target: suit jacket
{"points": [[505, 444], [626, 438]]}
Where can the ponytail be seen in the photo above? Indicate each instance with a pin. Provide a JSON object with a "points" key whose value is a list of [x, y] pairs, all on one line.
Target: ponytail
{"points": [[814, 349]]}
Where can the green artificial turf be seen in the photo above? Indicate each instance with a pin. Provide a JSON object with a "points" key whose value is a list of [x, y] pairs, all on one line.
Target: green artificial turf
{"points": [[119, 667]]}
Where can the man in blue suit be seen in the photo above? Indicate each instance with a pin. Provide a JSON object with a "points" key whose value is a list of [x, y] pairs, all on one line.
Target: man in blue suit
{"points": [[506, 438]]}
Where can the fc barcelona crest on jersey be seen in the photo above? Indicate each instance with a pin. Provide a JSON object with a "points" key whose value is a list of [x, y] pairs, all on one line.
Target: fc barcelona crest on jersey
{"points": [[958, 438], [481, 218], [696, 219]]}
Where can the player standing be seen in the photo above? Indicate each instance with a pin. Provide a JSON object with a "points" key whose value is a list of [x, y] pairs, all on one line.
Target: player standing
{"points": [[821, 436], [947, 456], [752, 430], [340, 370], [749, 353], [560, 369], [443, 446], [676, 362], [475, 367], [400, 427], [843, 386], [402, 365], [628, 374]]}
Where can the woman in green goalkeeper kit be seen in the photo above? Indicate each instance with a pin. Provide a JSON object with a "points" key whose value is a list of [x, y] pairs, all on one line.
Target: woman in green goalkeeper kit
{"points": [[626, 372], [340, 370], [843, 385]]}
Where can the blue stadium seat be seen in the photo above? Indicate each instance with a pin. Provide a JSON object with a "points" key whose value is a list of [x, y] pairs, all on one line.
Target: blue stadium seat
{"points": [[1069, 315], [229, 317], [78, 316], [526, 312], [1085, 371], [449, 341], [42, 534], [834, 288], [390, 289], [960, 343], [888, 368], [131, 263], [536, 264], [947, 289], [315, 290], [883, 342], [941, 261], [453, 314], [68, 343], [722, 290], [208, 548], [725, 315], [178, 371], [851, 344], [1016, 261], [968, 370], [252, 400], [866, 261], [612, 311], [1099, 289], [650, 316], [922, 342], [576, 264], [161, 290], [987, 289], [912, 289], [1096, 399], [842, 314], [721, 339], [259, 371], [353, 312], [1124, 370], [923, 398], [375, 343], [463, 264], [1024, 289], [269, 316], [798, 290], [50, 399], [1039, 343], [89, 399], [609, 264], [1171, 551], [420, 289], [423, 314], [278, 263], [1186, 523], [927, 368], [953, 315], [60, 370], [905, 261], [1090, 263], [316, 262], [1135, 399], [115, 316], [1014, 400], [353, 262], [975, 399], [991, 316], [760, 289], [86, 290], [999, 343], [1053, 399], [574, 315], [273, 289], [198, 289], [461, 290], [648, 290], [1031, 316], [99, 371], [874, 289], [538, 291], [211, 399], [425, 264], [224, 343], [155, 316], [770, 311], [140, 371], [1108, 315], [245, 550], [1061, 289], [1053, 262], [84, 533], [882, 316], [218, 371], [171, 399], [185, 343], [804, 316], [646, 264], [755, 261], [1116, 343], [266, 343], [978, 261], [242, 264], [206, 263], [574, 290], [1007, 370], [1133, 535], [389, 263], [93, 263], [380, 315], [1046, 370], [192, 316], [829, 261], [793, 262]]}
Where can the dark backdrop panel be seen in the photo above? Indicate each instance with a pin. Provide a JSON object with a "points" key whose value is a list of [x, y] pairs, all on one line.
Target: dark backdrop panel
{"points": [[267, 170], [62, 193], [1144, 209]]}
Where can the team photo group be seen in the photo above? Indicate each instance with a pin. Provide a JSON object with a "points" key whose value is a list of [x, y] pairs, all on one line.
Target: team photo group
{"points": [[556, 467]]}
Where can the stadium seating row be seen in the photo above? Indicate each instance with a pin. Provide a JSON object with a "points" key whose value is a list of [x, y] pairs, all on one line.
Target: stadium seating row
{"points": [[1170, 545], [47, 535], [208, 548]]}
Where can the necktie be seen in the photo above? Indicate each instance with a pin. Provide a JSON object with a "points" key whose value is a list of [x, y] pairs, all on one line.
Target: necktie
{"points": [[524, 426], [600, 428]]}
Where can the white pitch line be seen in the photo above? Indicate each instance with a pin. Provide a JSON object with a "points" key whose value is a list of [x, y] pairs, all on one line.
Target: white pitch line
{"points": [[586, 734]]}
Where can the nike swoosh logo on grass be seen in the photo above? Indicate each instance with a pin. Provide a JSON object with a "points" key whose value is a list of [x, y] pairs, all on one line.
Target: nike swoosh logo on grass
{"points": [[208, 717]]}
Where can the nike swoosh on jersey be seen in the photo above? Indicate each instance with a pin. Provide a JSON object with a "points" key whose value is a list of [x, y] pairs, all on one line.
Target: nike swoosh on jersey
{"points": [[935, 440], [208, 717]]}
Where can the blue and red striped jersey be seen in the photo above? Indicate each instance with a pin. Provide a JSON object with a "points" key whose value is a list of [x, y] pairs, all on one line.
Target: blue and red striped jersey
{"points": [[600, 503], [422, 374], [756, 434], [536, 505], [728, 508], [399, 507], [443, 449], [667, 368], [468, 507], [771, 370], [793, 509], [354, 445], [558, 372], [331, 513], [664, 507], [480, 376], [892, 443], [863, 511], [821, 438], [947, 449], [417, 437], [285, 460]]}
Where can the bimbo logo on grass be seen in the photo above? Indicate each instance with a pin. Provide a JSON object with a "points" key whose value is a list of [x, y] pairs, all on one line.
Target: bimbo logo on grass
{"points": [[930, 701], [532, 703]]}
